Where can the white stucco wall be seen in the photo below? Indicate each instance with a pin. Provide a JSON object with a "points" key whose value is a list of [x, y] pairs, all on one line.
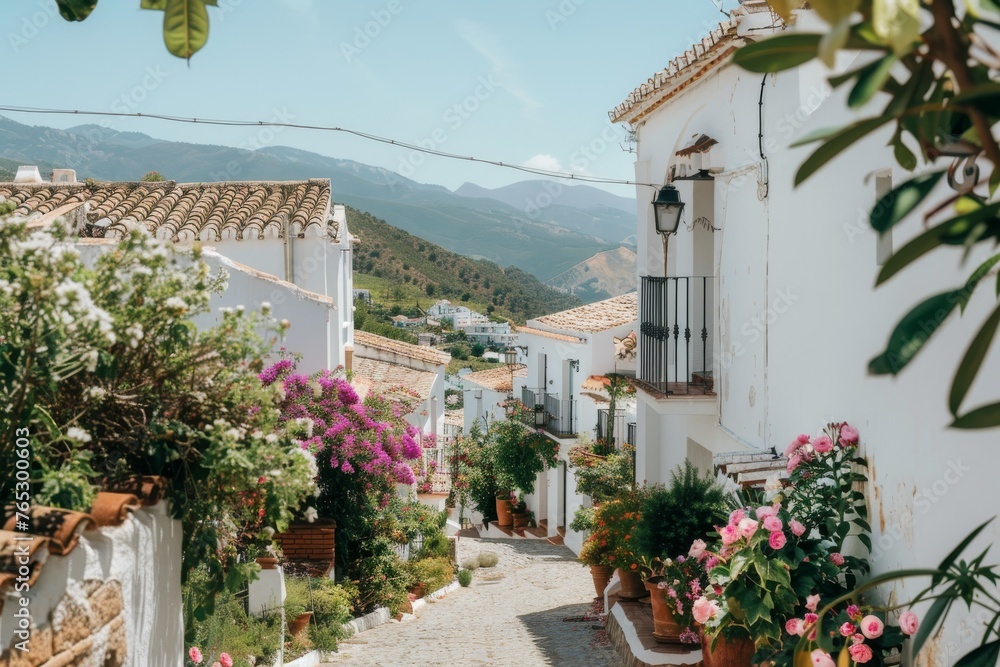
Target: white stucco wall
{"points": [[144, 555], [798, 317]]}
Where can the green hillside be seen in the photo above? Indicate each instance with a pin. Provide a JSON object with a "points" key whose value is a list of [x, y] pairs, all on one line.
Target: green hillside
{"points": [[402, 269]]}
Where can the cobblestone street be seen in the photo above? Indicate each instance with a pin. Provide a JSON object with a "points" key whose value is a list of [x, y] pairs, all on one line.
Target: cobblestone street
{"points": [[526, 611]]}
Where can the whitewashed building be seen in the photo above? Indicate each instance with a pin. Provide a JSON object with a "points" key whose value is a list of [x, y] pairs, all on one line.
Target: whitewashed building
{"points": [[460, 316], [565, 354], [780, 281], [284, 243]]}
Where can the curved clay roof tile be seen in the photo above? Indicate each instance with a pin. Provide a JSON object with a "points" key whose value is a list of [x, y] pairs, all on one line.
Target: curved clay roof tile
{"points": [[62, 527], [150, 489], [111, 509]]}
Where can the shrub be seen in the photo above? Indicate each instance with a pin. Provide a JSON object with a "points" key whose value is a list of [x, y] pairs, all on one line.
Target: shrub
{"points": [[488, 559], [470, 564], [433, 573], [435, 546], [675, 515], [464, 578]]}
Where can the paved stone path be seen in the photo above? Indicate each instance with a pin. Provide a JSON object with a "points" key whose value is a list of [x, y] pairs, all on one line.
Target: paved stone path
{"points": [[512, 615]]}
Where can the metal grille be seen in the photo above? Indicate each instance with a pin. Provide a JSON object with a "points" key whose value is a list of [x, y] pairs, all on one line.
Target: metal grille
{"points": [[676, 333]]}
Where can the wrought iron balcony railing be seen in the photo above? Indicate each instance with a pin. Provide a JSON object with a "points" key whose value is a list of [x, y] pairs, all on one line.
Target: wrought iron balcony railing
{"points": [[676, 328]]}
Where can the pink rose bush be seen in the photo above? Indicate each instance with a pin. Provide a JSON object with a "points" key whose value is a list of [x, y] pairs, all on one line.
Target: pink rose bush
{"points": [[781, 579]]}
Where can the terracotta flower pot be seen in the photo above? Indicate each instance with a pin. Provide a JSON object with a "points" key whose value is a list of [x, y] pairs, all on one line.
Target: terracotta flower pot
{"points": [[727, 653], [504, 517], [299, 623], [601, 575], [632, 585], [419, 591], [267, 562], [665, 629], [520, 519]]}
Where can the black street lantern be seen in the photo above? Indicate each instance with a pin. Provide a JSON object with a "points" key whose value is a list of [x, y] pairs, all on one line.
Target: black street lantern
{"points": [[539, 417], [667, 208]]}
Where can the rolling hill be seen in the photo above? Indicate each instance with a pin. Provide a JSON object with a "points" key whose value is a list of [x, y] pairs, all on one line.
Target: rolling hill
{"points": [[602, 276], [546, 244]]}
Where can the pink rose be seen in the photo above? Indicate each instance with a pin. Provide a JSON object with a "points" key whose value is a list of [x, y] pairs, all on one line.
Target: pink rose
{"points": [[195, 655], [823, 444], [795, 626], [853, 612], [747, 527], [711, 562], [908, 622], [860, 653], [766, 511], [729, 534], [697, 549], [797, 528], [736, 516], [225, 659], [811, 618], [704, 609], [858, 638], [847, 629], [793, 462], [776, 540], [848, 435], [837, 559], [772, 523], [872, 626], [216, 664], [796, 443], [821, 658], [812, 602]]}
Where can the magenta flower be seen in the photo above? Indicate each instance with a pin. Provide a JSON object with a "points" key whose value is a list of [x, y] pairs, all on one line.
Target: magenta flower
{"points": [[837, 559], [823, 444], [853, 612], [847, 629]]}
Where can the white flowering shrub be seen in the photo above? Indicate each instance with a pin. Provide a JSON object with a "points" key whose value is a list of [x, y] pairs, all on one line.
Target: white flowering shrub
{"points": [[104, 368]]}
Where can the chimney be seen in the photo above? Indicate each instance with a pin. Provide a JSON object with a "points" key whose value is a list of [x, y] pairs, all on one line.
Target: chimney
{"points": [[64, 176], [28, 174]]}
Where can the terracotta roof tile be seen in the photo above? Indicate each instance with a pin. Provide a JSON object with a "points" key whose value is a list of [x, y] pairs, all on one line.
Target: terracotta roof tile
{"points": [[416, 352], [187, 211], [382, 377], [62, 527], [111, 509], [497, 379], [595, 317], [14, 547]]}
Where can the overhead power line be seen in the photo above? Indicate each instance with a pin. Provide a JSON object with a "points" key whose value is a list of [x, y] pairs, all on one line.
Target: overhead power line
{"points": [[324, 128]]}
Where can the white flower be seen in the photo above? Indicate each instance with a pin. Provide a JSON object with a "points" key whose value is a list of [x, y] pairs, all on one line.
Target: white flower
{"points": [[91, 360], [265, 307], [176, 303], [267, 530], [311, 514], [96, 393], [271, 438], [78, 434]]}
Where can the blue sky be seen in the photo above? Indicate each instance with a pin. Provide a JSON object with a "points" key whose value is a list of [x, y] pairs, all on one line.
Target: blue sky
{"points": [[521, 81]]}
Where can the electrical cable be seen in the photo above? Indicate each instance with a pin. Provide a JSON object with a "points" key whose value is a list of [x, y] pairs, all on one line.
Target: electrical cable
{"points": [[357, 133]]}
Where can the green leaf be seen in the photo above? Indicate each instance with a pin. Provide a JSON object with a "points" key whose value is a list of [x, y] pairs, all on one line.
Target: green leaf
{"points": [[949, 560], [982, 656], [153, 4], [837, 144], [834, 11], [76, 10], [904, 156], [972, 361], [930, 621], [871, 80], [185, 27], [977, 275], [984, 96], [901, 200], [912, 332], [779, 53], [986, 416]]}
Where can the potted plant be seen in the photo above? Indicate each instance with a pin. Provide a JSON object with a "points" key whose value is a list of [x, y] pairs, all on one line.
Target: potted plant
{"points": [[614, 526], [505, 516], [786, 557], [674, 588], [596, 553]]}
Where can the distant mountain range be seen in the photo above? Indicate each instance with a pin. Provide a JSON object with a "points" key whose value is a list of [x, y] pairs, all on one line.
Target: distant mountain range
{"points": [[542, 227]]}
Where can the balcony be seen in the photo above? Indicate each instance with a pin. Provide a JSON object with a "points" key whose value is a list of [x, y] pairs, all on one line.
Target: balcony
{"points": [[676, 334], [621, 435], [550, 413]]}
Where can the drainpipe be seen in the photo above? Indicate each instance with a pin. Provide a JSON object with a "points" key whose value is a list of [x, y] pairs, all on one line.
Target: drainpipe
{"points": [[286, 229]]}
